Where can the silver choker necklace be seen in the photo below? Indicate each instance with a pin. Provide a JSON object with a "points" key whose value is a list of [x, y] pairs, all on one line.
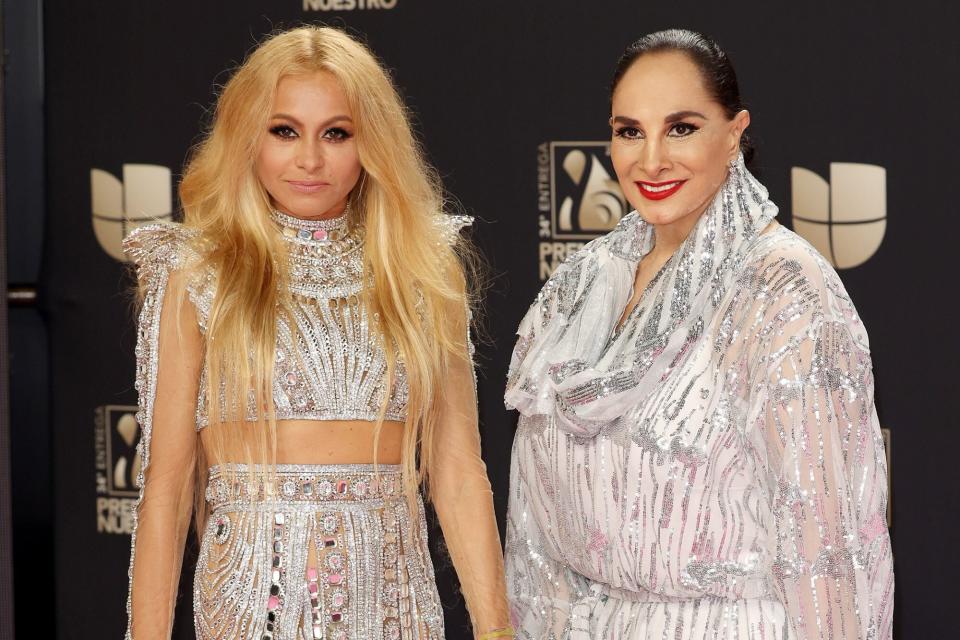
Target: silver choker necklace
{"points": [[326, 230]]}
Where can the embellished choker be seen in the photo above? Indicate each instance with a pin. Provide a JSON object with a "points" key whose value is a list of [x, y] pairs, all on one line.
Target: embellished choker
{"points": [[328, 230], [325, 256]]}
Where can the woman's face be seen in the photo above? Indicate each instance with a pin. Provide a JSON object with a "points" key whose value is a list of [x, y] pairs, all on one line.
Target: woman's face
{"points": [[672, 142], [308, 160]]}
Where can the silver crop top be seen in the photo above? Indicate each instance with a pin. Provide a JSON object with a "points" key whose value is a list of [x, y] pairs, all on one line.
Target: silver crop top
{"points": [[330, 363]]}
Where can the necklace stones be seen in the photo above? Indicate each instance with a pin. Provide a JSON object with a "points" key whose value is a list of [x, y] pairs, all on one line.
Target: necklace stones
{"points": [[327, 230]]}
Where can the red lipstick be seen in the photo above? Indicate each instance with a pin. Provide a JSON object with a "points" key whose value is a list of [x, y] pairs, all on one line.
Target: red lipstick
{"points": [[659, 190]]}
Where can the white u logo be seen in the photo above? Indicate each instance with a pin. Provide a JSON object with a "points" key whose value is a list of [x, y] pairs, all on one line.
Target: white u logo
{"points": [[143, 197], [846, 218]]}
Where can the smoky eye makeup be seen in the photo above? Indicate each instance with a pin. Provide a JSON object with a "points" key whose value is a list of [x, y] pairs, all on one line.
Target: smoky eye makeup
{"points": [[283, 131], [337, 134]]}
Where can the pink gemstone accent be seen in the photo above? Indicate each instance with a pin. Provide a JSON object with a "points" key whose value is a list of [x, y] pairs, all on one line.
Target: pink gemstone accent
{"points": [[341, 486], [312, 574], [335, 578], [273, 603], [335, 617], [338, 600], [313, 588], [320, 234]]}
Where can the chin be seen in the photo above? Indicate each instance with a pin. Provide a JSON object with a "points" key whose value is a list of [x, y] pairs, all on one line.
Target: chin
{"points": [[659, 215], [308, 207]]}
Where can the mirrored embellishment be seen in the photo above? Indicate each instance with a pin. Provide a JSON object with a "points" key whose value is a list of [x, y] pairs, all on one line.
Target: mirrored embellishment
{"points": [[360, 489], [222, 529], [325, 488], [330, 523]]}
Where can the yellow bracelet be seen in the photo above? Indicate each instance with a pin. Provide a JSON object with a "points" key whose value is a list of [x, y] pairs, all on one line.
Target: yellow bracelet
{"points": [[504, 632]]}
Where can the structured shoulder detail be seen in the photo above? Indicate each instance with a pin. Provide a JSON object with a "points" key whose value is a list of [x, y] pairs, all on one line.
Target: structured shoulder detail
{"points": [[158, 248], [449, 226]]}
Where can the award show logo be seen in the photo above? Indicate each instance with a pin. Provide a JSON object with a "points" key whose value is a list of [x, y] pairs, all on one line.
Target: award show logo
{"points": [[579, 198], [347, 5], [846, 218], [116, 433], [144, 196]]}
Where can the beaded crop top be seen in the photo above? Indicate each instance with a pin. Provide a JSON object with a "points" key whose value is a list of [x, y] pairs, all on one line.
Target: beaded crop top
{"points": [[330, 363]]}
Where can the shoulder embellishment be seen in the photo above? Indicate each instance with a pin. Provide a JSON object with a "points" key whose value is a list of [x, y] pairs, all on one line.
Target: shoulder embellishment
{"points": [[156, 248], [450, 226]]}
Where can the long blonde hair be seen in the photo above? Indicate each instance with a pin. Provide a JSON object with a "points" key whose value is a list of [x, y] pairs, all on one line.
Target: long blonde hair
{"points": [[419, 280]]}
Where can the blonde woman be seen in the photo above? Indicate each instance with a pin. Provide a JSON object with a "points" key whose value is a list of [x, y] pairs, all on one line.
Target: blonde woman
{"points": [[304, 367]]}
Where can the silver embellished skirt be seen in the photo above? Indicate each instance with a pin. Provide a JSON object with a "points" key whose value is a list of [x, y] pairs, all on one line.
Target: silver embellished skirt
{"points": [[315, 551]]}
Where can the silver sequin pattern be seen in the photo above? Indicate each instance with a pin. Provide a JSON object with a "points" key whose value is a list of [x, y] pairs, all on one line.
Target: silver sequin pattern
{"points": [[741, 496], [329, 365]]}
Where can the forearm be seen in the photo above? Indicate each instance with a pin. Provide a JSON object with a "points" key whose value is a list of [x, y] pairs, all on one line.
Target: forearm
{"points": [[161, 534], [465, 510]]}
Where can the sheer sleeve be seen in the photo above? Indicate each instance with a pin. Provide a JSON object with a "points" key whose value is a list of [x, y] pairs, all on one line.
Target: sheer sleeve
{"points": [[169, 356], [463, 499], [833, 568]]}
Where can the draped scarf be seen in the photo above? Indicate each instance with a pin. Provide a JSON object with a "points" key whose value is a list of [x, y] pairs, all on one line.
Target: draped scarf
{"points": [[572, 362]]}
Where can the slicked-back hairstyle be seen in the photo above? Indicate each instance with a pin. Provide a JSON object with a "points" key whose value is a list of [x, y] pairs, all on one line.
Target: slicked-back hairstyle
{"points": [[715, 68]]}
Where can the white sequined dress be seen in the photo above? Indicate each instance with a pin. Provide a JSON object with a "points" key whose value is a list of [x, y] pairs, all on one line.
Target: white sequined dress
{"points": [[714, 468]]}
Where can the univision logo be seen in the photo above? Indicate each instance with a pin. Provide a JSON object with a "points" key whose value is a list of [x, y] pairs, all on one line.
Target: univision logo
{"points": [[144, 196], [844, 219]]}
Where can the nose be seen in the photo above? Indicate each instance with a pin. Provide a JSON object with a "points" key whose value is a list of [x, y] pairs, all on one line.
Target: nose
{"points": [[309, 155], [654, 158]]}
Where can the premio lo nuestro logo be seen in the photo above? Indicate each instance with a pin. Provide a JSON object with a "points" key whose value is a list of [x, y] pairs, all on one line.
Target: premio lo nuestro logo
{"points": [[116, 433], [846, 218], [142, 197], [347, 5], [579, 198]]}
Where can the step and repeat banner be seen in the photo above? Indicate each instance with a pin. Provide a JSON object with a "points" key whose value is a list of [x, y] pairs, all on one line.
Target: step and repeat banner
{"points": [[853, 116]]}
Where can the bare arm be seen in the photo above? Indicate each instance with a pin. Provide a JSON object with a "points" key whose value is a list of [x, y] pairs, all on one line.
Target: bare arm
{"points": [[464, 501], [169, 468]]}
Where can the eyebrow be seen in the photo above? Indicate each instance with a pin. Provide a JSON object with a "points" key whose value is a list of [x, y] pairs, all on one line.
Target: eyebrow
{"points": [[673, 117], [327, 123]]}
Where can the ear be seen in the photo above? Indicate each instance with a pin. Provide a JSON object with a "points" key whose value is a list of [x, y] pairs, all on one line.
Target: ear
{"points": [[738, 125]]}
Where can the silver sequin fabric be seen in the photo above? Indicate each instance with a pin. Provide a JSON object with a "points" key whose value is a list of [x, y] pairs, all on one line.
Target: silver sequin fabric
{"points": [[714, 468], [330, 365], [371, 576]]}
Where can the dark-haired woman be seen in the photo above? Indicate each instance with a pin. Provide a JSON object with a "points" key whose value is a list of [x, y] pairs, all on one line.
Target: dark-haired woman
{"points": [[698, 453]]}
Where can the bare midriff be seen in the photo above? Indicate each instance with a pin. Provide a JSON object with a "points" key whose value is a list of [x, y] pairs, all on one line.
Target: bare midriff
{"points": [[326, 442]]}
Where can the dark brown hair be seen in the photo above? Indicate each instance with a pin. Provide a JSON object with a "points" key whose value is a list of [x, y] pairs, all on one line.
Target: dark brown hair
{"points": [[714, 65]]}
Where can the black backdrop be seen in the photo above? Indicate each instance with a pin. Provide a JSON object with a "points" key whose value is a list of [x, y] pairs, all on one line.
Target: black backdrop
{"points": [[489, 83]]}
